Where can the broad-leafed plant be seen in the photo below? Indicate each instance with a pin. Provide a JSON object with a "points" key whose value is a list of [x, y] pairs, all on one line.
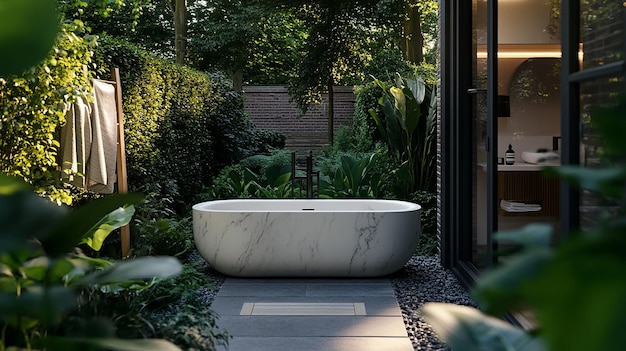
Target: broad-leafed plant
{"points": [[409, 129]]}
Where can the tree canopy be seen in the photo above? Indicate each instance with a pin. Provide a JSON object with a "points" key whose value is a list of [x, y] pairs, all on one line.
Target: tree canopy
{"points": [[310, 46]]}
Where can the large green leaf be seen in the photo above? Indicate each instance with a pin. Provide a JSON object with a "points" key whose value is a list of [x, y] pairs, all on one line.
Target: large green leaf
{"points": [[79, 222], [99, 232], [24, 216], [418, 88], [379, 124], [609, 181], [399, 101], [467, 329], [503, 289], [530, 236], [11, 185], [44, 305], [580, 298], [28, 29], [413, 113], [45, 269], [139, 268], [83, 343]]}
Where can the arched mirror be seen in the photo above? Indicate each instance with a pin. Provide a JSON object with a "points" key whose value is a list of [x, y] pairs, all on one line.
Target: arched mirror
{"points": [[535, 98]]}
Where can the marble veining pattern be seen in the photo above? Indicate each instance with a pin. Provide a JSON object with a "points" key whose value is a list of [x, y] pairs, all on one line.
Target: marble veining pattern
{"points": [[306, 243]]}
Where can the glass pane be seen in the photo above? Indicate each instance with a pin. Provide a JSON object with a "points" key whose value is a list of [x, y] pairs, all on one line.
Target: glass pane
{"points": [[480, 254], [594, 94], [601, 32], [533, 130]]}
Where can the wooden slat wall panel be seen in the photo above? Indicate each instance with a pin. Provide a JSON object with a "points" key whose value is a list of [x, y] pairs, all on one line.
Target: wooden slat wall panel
{"points": [[529, 187]]}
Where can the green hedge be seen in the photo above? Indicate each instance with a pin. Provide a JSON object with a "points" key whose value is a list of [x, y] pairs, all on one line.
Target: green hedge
{"points": [[181, 126], [32, 108]]}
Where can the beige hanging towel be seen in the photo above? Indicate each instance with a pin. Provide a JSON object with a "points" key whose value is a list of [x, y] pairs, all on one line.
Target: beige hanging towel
{"points": [[102, 163], [76, 142]]}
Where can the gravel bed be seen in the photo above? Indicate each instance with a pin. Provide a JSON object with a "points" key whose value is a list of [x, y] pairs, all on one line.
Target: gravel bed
{"points": [[421, 280], [424, 280]]}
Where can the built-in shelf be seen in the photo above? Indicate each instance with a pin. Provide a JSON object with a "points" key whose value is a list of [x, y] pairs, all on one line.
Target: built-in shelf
{"points": [[529, 187]]}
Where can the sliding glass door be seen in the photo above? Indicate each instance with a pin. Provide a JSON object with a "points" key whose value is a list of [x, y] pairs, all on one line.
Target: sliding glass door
{"points": [[481, 131]]}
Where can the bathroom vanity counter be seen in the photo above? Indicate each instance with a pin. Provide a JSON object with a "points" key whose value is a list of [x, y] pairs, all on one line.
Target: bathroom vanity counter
{"points": [[520, 167], [524, 167]]}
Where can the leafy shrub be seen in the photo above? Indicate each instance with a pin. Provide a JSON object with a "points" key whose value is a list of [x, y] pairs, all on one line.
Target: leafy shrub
{"points": [[174, 118], [363, 125], [163, 237], [428, 243], [193, 327], [33, 108], [224, 187], [266, 140], [43, 274], [266, 166], [176, 309], [353, 179]]}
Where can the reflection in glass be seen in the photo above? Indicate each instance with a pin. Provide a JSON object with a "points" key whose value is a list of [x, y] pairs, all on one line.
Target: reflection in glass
{"points": [[594, 94], [480, 253], [602, 32]]}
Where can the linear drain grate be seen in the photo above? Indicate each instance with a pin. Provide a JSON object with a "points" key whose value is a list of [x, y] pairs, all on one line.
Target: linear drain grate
{"points": [[302, 309]]}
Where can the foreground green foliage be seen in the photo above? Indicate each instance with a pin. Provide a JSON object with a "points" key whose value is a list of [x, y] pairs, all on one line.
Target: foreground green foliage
{"points": [[42, 274], [29, 27], [576, 290]]}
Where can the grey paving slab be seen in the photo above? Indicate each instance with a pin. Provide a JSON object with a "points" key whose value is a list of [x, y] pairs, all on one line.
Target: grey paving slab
{"points": [[374, 305], [260, 289], [306, 326], [318, 344], [375, 321], [353, 290]]}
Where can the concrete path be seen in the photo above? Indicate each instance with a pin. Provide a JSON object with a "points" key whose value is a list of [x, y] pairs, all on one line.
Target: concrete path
{"points": [[311, 315]]}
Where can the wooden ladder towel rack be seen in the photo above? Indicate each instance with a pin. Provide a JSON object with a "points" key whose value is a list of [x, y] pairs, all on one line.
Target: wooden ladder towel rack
{"points": [[122, 175]]}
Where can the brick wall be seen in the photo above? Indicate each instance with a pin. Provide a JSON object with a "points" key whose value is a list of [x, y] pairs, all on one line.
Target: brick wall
{"points": [[269, 108]]}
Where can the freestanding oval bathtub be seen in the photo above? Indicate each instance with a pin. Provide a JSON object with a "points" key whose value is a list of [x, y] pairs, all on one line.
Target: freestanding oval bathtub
{"points": [[306, 238]]}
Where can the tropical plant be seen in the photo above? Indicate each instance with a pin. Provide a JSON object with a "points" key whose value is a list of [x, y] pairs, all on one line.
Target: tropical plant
{"points": [[353, 179], [409, 129], [576, 290], [42, 273]]}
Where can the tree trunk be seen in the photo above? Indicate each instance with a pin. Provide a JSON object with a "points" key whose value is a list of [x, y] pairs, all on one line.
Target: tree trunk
{"points": [[331, 111], [237, 78], [412, 37], [180, 30]]}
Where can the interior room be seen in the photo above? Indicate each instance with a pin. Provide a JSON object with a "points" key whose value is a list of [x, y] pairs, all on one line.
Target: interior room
{"points": [[528, 118]]}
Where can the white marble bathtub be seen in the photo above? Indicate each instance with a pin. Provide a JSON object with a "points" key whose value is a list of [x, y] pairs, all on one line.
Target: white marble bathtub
{"points": [[306, 238]]}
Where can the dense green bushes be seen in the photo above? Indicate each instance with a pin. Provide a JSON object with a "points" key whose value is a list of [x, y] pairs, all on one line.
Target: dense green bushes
{"points": [[175, 120], [32, 107]]}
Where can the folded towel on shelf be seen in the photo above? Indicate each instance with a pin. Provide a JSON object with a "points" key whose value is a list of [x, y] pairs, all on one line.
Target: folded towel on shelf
{"points": [[514, 206]]}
